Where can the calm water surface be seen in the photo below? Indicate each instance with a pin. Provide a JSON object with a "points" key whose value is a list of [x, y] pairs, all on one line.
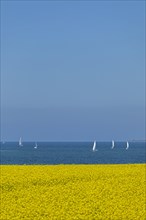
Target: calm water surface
{"points": [[72, 153]]}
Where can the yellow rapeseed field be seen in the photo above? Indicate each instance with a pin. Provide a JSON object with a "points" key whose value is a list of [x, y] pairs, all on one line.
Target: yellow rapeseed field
{"points": [[64, 192]]}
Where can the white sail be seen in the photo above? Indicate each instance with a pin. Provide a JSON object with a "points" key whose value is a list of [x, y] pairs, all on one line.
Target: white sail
{"points": [[127, 145], [94, 146], [113, 144], [36, 146], [20, 142]]}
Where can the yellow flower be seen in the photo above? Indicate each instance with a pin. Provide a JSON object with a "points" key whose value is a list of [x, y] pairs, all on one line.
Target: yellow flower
{"points": [[72, 192]]}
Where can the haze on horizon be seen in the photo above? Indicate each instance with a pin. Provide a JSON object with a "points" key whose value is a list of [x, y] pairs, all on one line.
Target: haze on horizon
{"points": [[72, 70]]}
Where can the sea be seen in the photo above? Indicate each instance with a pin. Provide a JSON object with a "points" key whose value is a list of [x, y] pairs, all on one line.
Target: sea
{"points": [[72, 153]]}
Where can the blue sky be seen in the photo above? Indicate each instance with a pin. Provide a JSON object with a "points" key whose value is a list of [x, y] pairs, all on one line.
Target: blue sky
{"points": [[72, 70]]}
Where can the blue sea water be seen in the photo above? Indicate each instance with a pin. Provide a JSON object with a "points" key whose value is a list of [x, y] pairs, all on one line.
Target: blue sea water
{"points": [[72, 153]]}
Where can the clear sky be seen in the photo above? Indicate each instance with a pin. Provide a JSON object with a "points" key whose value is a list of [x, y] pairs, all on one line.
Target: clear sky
{"points": [[72, 70]]}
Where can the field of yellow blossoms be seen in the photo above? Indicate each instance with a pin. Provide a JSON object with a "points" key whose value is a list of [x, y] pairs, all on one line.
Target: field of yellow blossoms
{"points": [[64, 192]]}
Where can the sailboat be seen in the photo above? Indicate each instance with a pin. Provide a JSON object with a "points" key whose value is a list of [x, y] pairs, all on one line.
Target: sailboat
{"points": [[113, 144], [127, 145], [36, 146], [94, 146], [20, 142]]}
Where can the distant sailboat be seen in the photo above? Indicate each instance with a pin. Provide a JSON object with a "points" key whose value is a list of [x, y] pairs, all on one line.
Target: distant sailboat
{"points": [[20, 142], [127, 145], [36, 146], [94, 146], [113, 144]]}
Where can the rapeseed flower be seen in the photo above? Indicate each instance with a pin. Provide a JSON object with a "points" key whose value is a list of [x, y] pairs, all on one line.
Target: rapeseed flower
{"points": [[64, 192]]}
